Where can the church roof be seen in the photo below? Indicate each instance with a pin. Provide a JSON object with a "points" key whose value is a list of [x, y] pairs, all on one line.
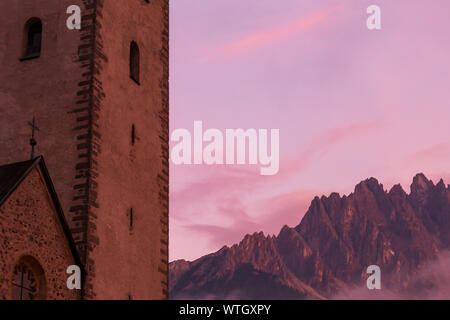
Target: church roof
{"points": [[12, 175]]}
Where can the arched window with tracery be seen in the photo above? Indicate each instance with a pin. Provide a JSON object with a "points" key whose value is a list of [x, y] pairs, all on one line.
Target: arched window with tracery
{"points": [[28, 281]]}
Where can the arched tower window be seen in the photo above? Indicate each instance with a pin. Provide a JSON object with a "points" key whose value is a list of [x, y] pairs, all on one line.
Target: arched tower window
{"points": [[134, 62], [33, 38], [28, 280]]}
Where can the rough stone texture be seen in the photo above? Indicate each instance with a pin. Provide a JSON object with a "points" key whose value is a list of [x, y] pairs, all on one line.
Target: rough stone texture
{"points": [[29, 226], [85, 105]]}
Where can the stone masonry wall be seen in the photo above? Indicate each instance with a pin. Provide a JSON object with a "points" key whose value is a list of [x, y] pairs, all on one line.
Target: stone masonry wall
{"points": [[29, 226], [124, 176]]}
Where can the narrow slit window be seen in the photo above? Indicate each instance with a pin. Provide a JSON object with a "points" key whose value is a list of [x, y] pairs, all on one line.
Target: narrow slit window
{"points": [[133, 134], [131, 219], [134, 62]]}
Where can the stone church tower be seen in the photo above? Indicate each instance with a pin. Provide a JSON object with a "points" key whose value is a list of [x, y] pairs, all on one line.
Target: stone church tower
{"points": [[101, 103]]}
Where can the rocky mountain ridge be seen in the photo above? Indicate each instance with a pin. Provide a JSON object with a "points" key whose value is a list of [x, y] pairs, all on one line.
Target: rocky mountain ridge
{"points": [[327, 254]]}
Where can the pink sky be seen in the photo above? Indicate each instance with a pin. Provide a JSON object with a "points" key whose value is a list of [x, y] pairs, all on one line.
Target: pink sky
{"points": [[350, 104]]}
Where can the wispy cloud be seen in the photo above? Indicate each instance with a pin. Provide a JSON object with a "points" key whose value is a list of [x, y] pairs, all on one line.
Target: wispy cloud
{"points": [[261, 39], [441, 150], [321, 143]]}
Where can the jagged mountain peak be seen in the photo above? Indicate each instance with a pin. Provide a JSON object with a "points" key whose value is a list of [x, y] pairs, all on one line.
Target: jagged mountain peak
{"points": [[420, 182], [327, 253], [397, 190]]}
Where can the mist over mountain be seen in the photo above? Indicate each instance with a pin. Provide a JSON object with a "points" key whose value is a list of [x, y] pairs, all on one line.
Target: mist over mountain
{"points": [[327, 254]]}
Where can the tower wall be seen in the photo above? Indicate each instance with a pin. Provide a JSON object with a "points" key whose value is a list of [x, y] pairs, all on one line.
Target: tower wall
{"points": [[124, 175], [85, 105]]}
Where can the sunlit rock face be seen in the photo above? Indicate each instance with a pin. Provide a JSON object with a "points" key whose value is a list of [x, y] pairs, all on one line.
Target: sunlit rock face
{"points": [[327, 254]]}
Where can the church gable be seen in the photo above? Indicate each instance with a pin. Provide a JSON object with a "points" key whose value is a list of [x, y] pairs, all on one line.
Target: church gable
{"points": [[35, 243]]}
